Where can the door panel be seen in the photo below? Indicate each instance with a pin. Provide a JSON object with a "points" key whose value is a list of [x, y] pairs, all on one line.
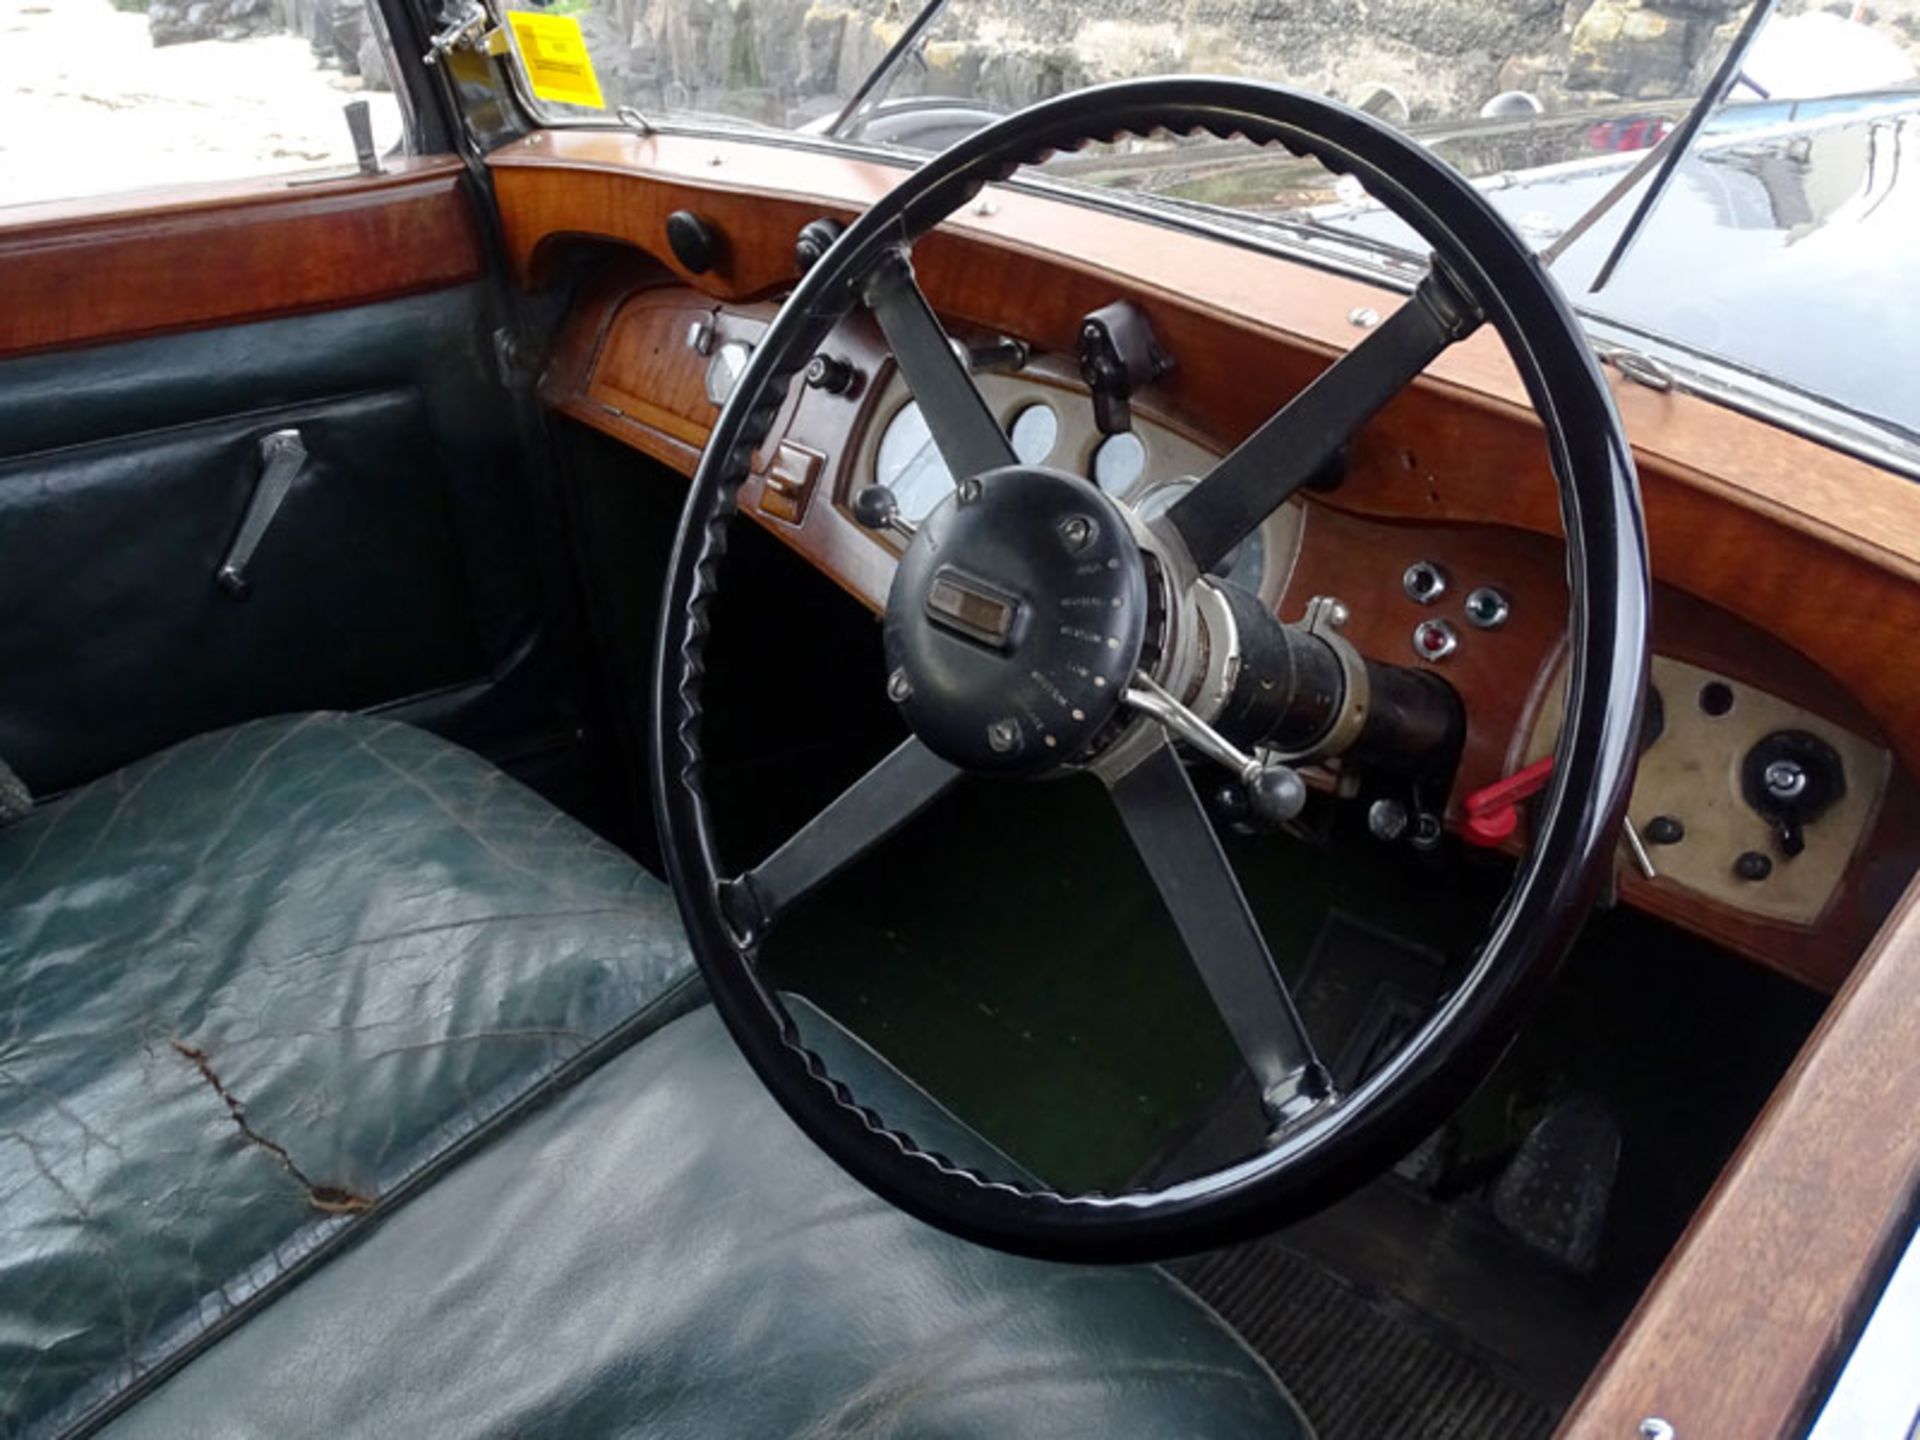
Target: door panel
{"points": [[107, 559], [403, 569], [88, 271]]}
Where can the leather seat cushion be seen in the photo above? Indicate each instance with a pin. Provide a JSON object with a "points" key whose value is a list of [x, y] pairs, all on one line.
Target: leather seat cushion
{"points": [[662, 1253], [257, 983]]}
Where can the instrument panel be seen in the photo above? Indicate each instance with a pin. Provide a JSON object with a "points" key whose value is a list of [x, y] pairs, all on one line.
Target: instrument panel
{"points": [[1049, 420], [1483, 606]]}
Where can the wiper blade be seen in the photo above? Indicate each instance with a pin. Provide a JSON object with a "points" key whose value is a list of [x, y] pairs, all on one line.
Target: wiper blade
{"points": [[889, 62], [1681, 137]]}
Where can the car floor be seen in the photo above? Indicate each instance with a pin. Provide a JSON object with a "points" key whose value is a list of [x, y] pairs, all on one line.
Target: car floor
{"points": [[1050, 1007]]}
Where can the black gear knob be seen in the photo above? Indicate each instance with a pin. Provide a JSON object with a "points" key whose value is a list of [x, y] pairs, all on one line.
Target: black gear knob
{"points": [[1275, 796], [875, 507]]}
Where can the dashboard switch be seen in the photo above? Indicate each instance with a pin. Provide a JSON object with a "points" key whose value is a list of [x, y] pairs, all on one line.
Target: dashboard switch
{"points": [[1434, 640], [1424, 582], [1753, 866], [1387, 820], [832, 373], [1488, 608], [695, 241], [788, 484], [1492, 812], [1791, 778], [1665, 830]]}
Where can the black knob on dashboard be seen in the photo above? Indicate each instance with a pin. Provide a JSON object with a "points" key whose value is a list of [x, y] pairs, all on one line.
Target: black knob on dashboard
{"points": [[1753, 866], [1665, 830], [875, 507], [816, 237], [830, 373], [695, 241], [1792, 778]]}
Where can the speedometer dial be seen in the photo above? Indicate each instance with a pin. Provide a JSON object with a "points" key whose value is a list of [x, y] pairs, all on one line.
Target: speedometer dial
{"points": [[909, 463]]}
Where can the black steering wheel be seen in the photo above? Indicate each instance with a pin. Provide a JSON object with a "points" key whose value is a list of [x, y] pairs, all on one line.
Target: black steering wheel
{"points": [[1033, 625]]}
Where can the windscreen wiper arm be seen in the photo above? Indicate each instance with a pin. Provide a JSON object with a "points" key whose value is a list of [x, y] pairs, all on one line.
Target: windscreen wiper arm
{"points": [[1671, 150], [889, 62]]}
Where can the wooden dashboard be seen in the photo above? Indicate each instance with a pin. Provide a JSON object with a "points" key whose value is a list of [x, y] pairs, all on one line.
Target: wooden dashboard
{"points": [[1788, 573]]}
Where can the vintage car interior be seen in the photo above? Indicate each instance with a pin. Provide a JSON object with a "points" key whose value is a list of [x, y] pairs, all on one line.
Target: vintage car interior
{"points": [[679, 777]]}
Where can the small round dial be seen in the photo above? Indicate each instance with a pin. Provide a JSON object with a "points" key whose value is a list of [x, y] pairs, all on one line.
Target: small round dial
{"points": [[909, 464], [1033, 432], [1119, 462]]}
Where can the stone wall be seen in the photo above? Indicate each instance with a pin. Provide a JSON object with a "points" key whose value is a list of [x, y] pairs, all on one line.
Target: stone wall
{"points": [[784, 61], [341, 32]]}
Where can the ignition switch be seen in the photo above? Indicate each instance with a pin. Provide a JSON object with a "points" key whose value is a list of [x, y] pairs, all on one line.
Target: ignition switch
{"points": [[1792, 778]]}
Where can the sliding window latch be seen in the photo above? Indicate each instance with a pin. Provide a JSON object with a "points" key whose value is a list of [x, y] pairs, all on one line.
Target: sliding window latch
{"points": [[282, 454], [360, 127]]}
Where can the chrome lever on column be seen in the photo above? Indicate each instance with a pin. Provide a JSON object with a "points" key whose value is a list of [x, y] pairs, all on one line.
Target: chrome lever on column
{"points": [[875, 507], [1275, 792], [282, 454]]}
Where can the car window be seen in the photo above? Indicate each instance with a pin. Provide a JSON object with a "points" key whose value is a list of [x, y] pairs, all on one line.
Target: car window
{"points": [[98, 96]]}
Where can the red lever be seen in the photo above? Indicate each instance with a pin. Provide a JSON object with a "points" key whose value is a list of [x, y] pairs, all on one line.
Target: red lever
{"points": [[1492, 813]]}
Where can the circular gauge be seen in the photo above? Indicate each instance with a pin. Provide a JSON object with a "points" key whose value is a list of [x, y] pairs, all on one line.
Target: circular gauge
{"points": [[909, 464], [1244, 564], [1033, 432], [1119, 462]]}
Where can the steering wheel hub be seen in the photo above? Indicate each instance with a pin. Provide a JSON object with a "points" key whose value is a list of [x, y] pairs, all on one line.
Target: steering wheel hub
{"points": [[1015, 620]]}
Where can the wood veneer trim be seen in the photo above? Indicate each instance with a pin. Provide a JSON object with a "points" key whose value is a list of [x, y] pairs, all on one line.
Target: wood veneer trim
{"points": [[1816, 546], [1691, 434], [1746, 1323], [76, 274]]}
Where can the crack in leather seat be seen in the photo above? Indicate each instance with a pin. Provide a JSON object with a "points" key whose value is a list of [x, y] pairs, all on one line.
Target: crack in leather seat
{"points": [[259, 993], [257, 982], [663, 1254]]}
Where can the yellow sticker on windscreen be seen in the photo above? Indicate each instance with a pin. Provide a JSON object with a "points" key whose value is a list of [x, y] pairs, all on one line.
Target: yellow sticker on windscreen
{"points": [[555, 56]]}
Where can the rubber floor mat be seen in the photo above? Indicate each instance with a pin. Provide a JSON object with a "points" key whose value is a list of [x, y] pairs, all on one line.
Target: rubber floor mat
{"points": [[1361, 1367]]}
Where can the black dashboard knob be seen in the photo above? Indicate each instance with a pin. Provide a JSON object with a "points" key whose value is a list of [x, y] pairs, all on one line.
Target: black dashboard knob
{"points": [[1791, 778], [1753, 866], [816, 237], [1665, 830], [831, 373], [874, 506], [695, 242]]}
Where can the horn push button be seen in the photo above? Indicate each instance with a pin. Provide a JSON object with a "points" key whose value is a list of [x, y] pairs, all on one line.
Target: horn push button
{"points": [[1016, 619]]}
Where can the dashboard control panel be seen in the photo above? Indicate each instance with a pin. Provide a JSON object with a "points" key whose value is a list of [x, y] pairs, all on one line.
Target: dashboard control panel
{"points": [[1757, 814], [1743, 797]]}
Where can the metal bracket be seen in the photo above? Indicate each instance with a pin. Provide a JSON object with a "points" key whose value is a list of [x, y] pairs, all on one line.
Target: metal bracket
{"points": [[467, 30], [282, 454], [1325, 618]]}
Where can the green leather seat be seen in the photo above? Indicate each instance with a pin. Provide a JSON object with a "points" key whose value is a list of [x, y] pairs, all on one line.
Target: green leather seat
{"points": [[327, 1013]]}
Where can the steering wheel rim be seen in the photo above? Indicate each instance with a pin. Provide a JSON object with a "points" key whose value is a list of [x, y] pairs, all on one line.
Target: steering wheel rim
{"points": [[1576, 827]]}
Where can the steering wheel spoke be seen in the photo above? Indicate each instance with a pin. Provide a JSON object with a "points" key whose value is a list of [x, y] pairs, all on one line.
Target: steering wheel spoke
{"points": [[1300, 440], [1170, 829], [911, 778], [970, 439]]}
